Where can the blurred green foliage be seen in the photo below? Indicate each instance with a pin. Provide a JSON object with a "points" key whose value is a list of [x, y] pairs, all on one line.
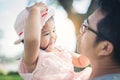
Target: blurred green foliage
{"points": [[10, 76]]}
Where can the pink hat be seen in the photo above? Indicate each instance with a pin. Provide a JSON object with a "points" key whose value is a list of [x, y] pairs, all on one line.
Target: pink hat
{"points": [[22, 20]]}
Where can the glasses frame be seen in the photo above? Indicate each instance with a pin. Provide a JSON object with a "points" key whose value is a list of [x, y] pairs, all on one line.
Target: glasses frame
{"points": [[85, 27]]}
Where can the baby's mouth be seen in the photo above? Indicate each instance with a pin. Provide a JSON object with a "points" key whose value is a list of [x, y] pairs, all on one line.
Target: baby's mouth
{"points": [[50, 46]]}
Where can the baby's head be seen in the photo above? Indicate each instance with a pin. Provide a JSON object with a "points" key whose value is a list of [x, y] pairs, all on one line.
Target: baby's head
{"points": [[22, 20], [48, 35]]}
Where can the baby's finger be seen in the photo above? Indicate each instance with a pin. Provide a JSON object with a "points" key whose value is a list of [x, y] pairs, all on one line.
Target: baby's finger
{"points": [[32, 6], [41, 3], [43, 6]]}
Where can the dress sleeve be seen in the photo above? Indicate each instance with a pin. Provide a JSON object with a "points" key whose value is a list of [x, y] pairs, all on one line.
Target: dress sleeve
{"points": [[23, 72]]}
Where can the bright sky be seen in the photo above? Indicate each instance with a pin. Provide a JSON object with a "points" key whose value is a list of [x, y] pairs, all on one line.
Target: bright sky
{"points": [[9, 9], [8, 12]]}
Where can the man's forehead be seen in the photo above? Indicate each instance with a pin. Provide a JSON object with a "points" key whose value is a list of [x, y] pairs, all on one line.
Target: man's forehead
{"points": [[95, 17]]}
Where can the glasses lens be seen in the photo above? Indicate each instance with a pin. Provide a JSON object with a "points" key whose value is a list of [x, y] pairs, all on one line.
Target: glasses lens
{"points": [[83, 28]]}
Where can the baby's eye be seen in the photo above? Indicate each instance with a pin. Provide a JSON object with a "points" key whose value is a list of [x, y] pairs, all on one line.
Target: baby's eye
{"points": [[54, 31], [46, 34]]}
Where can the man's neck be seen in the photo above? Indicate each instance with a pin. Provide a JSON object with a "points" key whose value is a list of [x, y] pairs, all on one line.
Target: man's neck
{"points": [[103, 69]]}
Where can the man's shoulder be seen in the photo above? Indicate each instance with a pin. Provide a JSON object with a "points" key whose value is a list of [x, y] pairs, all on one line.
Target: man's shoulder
{"points": [[108, 77]]}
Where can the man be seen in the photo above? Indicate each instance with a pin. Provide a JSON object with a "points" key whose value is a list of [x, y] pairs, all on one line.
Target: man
{"points": [[100, 40]]}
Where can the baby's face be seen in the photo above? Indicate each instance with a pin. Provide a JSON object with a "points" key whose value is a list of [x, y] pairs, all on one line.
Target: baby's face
{"points": [[48, 36]]}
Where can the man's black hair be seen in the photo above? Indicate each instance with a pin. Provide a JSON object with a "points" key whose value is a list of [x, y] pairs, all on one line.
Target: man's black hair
{"points": [[109, 26]]}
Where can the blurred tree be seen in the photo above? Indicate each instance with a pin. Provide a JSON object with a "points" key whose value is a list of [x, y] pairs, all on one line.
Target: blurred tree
{"points": [[73, 15]]}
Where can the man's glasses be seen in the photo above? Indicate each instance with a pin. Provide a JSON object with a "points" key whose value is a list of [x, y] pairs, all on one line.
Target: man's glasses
{"points": [[86, 27]]}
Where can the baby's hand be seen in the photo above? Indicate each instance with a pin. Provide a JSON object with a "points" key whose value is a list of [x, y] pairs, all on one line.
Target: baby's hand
{"points": [[38, 7], [40, 10]]}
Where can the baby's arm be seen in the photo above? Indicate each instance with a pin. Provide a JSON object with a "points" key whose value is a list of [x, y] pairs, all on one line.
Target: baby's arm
{"points": [[79, 60], [32, 35]]}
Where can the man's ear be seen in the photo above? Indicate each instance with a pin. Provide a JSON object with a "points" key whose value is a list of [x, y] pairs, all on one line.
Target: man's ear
{"points": [[106, 48]]}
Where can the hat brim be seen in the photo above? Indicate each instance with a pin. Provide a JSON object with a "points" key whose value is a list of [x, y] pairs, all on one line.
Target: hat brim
{"points": [[17, 42]]}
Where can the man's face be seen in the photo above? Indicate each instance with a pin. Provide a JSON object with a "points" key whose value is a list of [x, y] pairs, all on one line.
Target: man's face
{"points": [[88, 35]]}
